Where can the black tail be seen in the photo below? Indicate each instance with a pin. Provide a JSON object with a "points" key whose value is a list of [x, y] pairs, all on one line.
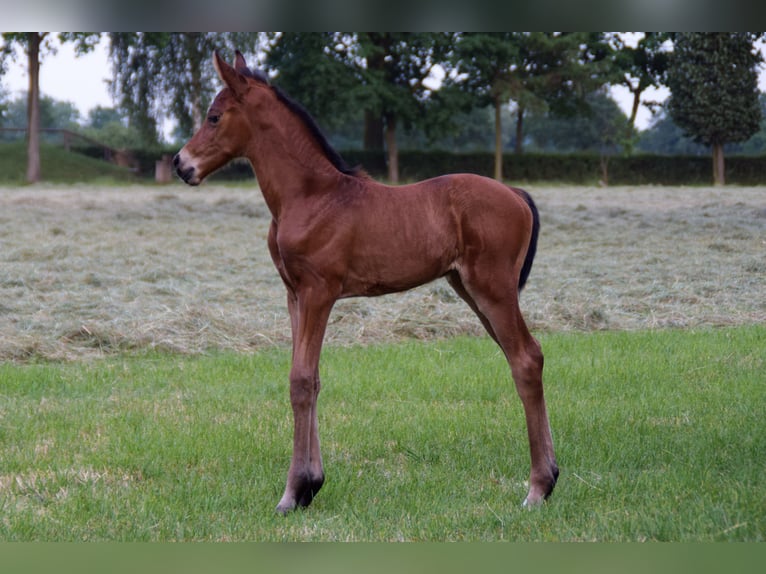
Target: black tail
{"points": [[527, 267]]}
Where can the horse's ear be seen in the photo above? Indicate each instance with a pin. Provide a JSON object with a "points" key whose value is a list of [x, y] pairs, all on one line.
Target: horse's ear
{"points": [[241, 66], [235, 80]]}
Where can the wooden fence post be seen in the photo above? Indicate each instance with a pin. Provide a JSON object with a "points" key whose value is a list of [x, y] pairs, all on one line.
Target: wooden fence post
{"points": [[163, 169]]}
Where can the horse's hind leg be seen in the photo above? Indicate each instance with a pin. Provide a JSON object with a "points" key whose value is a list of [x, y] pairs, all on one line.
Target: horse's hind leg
{"points": [[497, 306], [453, 279]]}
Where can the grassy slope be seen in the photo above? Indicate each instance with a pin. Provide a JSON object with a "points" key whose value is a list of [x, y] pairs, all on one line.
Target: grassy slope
{"points": [[58, 166], [659, 436]]}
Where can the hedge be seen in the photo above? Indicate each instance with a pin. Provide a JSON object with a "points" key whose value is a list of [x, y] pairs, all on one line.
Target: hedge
{"points": [[578, 168], [575, 168]]}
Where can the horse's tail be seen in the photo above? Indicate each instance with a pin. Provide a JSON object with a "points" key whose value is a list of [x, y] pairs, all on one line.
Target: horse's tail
{"points": [[532, 249]]}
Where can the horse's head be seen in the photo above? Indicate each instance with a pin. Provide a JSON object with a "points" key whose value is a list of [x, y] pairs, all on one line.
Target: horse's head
{"points": [[226, 130]]}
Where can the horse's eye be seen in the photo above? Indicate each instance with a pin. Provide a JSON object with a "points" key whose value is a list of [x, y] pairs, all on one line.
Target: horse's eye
{"points": [[213, 118]]}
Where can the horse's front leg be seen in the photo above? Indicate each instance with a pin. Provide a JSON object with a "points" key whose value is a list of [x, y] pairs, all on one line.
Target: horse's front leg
{"points": [[309, 313]]}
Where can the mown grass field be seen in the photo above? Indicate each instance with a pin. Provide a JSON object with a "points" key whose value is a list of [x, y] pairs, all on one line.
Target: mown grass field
{"points": [[143, 383], [88, 270]]}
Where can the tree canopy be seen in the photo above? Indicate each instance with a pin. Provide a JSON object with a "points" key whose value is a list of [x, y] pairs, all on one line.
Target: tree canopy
{"points": [[713, 78], [380, 75], [381, 91], [537, 71], [162, 73]]}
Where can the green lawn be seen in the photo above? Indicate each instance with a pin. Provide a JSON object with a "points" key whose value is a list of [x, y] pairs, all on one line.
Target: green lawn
{"points": [[659, 436]]}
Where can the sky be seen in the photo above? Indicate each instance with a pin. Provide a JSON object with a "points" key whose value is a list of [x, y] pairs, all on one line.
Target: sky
{"points": [[82, 81]]}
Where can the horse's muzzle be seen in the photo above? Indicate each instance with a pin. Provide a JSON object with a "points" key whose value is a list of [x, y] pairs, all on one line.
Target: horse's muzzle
{"points": [[185, 173]]}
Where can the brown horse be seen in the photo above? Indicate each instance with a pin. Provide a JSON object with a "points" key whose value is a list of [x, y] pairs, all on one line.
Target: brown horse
{"points": [[336, 233]]}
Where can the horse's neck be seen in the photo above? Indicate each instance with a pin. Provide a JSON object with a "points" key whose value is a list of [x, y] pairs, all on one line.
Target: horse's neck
{"points": [[290, 168]]}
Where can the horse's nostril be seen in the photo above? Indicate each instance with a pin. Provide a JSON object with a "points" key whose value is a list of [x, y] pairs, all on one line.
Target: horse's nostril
{"points": [[176, 160]]}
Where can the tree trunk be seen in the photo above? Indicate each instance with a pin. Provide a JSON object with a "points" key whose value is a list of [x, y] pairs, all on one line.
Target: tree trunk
{"points": [[33, 107], [718, 165], [519, 130], [373, 131], [195, 63], [634, 108], [391, 148], [197, 111], [604, 162], [498, 140]]}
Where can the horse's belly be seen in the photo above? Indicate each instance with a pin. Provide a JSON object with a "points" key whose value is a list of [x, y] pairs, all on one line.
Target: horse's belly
{"points": [[371, 276]]}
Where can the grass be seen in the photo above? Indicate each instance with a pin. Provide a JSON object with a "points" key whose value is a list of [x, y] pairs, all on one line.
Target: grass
{"points": [[659, 436], [58, 166]]}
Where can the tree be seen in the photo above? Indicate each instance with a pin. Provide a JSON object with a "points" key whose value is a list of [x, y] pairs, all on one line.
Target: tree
{"points": [[599, 129], [395, 74], [641, 67], [108, 126], [713, 79], [3, 103], [314, 68], [487, 61], [35, 43], [159, 74], [756, 145], [382, 76], [100, 116], [538, 71], [53, 113], [32, 42]]}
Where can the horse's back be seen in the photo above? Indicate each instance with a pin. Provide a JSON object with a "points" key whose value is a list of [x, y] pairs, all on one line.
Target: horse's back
{"points": [[496, 223], [446, 219]]}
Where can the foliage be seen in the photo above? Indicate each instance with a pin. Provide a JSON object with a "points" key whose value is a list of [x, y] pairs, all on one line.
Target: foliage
{"points": [[538, 71], [313, 67], [397, 67], [353, 82], [641, 67], [161, 74], [107, 126], [714, 84], [664, 137], [99, 117], [600, 128], [757, 143], [54, 114], [381, 77], [713, 80]]}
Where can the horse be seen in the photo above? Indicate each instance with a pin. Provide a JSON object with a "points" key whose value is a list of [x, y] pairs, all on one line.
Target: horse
{"points": [[336, 232]]}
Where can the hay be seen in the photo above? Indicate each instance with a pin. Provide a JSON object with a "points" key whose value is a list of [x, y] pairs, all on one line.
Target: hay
{"points": [[87, 270]]}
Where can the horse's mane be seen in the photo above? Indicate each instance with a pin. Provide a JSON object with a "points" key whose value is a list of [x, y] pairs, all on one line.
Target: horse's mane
{"points": [[330, 152]]}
